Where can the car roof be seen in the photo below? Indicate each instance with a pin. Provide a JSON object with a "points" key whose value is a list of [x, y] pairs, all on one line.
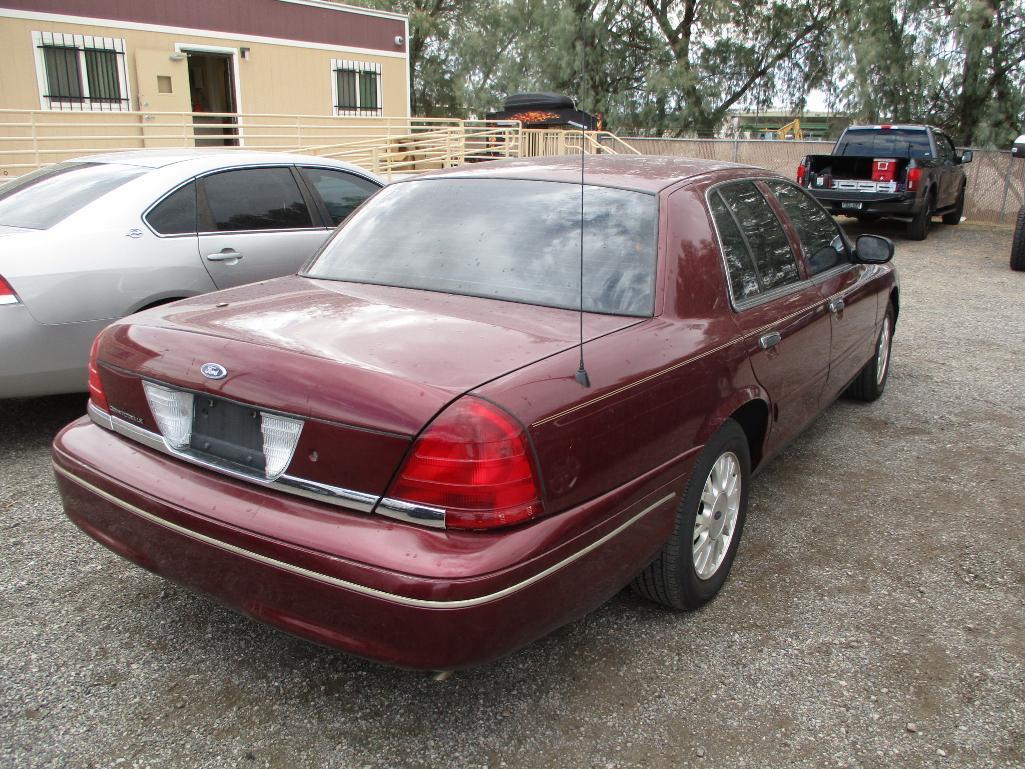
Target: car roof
{"points": [[202, 159], [642, 173], [894, 126]]}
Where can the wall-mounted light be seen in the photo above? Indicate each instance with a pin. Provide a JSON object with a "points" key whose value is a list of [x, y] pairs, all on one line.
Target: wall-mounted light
{"points": [[244, 52], [177, 57], [399, 40]]}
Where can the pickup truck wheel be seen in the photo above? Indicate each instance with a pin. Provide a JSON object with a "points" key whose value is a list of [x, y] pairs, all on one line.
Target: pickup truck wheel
{"points": [[918, 228], [872, 380], [954, 217], [695, 562], [1018, 243]]}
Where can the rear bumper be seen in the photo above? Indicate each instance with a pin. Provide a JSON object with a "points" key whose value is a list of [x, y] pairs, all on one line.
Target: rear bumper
{"points": [[464, 600], [38, 359], [900, 205]]}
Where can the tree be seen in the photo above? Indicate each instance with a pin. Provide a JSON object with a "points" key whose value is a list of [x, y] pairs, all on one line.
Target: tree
{"points": [[741, 52], [959, 64], [679, 66]]}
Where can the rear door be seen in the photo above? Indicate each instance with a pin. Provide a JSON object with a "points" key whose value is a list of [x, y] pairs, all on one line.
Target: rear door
{"points": [[845, 286], [256, 223], [776, 306]]}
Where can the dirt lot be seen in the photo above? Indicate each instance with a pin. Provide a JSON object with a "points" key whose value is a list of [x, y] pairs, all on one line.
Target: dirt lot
{"points": [[875, 616]]}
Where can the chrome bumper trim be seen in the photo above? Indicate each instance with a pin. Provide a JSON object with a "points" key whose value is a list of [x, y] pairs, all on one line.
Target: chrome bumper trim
{"points": [[359, 501], [354, 586], [410, 512]]}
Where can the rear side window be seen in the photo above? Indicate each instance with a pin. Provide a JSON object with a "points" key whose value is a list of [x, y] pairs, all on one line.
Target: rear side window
{"points": [[43, 198], [175, 214], [743, 276], [769, 245], [254, 199], [824, 248], [945, 148], [341, 192]]}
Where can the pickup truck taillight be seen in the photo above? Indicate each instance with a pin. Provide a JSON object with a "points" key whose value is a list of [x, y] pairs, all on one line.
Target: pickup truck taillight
{"points": [[801, 172], [96, 394], [475, 463], [914, 178], [7, 295]]}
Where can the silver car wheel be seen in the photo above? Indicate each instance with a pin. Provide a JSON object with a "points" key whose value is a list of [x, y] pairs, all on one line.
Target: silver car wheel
{"points": [[883, 353], [716, 519]]}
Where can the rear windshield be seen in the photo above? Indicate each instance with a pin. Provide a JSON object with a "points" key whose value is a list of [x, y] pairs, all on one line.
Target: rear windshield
{"points": [[505, 239], [42, 198], [885, 142]]}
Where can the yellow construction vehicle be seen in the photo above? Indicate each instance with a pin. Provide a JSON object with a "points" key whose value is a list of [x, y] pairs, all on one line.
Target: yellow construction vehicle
{"points": [[793, 128]]}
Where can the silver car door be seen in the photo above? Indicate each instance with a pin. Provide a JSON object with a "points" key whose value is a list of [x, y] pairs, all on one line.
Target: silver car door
{"points": [[255, 224]]}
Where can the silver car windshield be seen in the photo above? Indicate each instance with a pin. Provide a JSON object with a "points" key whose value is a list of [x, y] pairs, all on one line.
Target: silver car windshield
{"points": [[509, 239], [43, 198]]}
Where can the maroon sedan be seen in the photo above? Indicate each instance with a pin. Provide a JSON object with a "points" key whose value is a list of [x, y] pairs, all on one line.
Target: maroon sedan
{"points": [[393, 454]]}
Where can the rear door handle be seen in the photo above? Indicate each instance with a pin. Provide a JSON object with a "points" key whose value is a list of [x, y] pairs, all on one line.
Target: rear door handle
{"points": [[224, 255], [835, 305], [773, 338]]}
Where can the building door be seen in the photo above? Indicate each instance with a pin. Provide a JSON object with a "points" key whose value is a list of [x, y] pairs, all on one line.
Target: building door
{"points": [[212, 95], [163, 95]]}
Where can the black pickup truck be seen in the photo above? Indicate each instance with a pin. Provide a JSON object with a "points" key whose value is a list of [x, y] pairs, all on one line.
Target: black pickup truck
{"points": [[906, 172]]}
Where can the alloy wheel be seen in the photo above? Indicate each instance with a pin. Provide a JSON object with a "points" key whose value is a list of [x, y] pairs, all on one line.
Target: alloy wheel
{"points": [[716, 518], [883, 352]]}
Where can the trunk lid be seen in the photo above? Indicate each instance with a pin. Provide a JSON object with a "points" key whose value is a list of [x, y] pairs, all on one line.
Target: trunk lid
{"points": [[365, 366]]}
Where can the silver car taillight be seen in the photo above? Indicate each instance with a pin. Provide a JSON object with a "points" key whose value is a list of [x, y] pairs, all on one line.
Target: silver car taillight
{"points": [[7, 295], [173, 411], [280, 436]]}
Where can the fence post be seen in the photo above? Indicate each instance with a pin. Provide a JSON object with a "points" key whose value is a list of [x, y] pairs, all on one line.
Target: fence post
{"points": [[736, 148], [35, 140], [1007, 185]]}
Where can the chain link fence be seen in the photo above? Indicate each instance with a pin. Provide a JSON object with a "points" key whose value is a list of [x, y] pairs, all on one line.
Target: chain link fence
{"points": [[996, 181]]}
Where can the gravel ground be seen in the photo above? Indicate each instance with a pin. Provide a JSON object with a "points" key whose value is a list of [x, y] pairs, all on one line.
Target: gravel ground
{"points": [[875, 616]]}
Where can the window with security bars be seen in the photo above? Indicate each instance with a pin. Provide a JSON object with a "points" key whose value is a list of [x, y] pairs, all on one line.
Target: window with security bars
{"points": [[81, 72], [357, 88]]}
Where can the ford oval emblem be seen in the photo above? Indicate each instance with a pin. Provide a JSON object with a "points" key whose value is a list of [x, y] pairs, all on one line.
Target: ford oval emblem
{"points": [[213, 371]]}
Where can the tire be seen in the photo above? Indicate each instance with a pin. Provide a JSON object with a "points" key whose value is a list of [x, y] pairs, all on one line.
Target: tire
{"points": [[872, 380], [1018, 243], [918, 228], [954, 217], [673, 578]]}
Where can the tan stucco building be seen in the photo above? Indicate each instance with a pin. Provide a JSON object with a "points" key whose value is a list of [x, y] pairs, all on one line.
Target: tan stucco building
{"points": [[223, 67]]}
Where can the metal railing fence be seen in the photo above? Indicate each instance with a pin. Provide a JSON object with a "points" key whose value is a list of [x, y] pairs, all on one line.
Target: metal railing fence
{"points": [[33, 138]]}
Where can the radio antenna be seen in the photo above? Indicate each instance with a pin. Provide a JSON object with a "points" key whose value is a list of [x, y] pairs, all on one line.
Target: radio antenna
{"points": [[581, 375]]}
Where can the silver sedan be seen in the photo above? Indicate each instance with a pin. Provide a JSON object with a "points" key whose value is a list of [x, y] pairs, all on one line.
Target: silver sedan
{"points": [[86, 242]]}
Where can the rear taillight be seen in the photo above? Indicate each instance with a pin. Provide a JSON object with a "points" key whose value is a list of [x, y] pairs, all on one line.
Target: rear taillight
{"points": [[801, 171], [914, 178], [7, 295], [474, 462], [96, 394]]}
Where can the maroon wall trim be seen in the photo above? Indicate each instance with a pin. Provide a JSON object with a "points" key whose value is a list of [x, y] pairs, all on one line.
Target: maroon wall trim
{"points": [[266, 18]]}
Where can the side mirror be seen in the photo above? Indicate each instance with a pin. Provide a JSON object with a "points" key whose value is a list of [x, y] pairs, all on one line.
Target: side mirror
{"points": [[966, 157], [873, 249]]}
